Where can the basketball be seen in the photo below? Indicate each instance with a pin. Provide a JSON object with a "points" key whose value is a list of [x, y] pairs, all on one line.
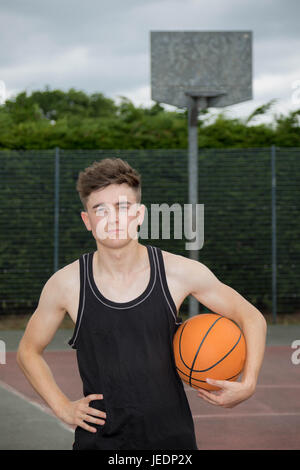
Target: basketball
{"points": [[209, 346]]}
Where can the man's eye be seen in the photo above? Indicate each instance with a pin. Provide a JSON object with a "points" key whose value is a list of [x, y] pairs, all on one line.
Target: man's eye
{"points": [[101, 210]]}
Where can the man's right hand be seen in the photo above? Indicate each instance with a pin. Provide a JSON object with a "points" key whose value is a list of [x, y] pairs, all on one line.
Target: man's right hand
{"points": [[78, 412]]}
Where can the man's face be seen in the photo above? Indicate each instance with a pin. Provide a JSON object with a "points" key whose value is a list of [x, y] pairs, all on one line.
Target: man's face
{"points": [[113, 214]]}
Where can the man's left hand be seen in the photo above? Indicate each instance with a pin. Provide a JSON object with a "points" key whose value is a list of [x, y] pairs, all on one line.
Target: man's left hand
{"points": [[229, 395]]}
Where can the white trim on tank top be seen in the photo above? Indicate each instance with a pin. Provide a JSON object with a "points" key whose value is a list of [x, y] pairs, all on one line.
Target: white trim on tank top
{"points": [[163, 289], [127, 306], [83, 298]]}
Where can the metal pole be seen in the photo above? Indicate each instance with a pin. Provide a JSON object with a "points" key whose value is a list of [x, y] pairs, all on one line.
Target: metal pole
{"points": [[56, 209], [274, 245], [193, 181]]}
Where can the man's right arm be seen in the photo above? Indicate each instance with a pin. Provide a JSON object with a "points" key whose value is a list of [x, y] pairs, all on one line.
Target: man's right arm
{"points": [[39, 332]]}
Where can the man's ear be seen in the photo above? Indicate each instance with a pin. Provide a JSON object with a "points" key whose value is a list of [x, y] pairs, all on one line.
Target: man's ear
{"points": [[86, 220]]}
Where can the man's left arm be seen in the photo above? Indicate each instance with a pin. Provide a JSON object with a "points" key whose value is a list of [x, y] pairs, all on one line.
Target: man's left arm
{"points": [[222, 299]]}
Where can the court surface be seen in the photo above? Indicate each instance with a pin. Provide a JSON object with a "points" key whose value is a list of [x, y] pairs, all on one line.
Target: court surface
{"points": [[270, 419]]}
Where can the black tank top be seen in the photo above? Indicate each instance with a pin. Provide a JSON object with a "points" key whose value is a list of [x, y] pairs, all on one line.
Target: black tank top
{"points": [[125, 352]]}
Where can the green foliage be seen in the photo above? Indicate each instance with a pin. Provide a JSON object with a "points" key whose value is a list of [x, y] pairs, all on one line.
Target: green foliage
{"points": [[260, 110], [76, 120]]}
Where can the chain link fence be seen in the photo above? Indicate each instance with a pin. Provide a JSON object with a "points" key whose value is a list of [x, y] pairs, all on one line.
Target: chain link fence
{"points": [[251, 218]]}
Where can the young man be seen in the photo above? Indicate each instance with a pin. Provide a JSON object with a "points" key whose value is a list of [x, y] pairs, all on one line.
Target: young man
{"points": [[124, 299]]}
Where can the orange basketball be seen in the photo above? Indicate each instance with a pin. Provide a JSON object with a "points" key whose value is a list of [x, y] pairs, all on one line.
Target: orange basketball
{"points": [[209, 346]]}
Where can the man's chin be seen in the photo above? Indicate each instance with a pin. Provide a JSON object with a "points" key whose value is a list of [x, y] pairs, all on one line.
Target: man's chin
{"points": [[117, 235]]}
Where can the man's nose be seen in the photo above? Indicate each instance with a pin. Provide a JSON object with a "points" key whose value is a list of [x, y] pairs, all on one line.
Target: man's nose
{"points": [[113, 215]]}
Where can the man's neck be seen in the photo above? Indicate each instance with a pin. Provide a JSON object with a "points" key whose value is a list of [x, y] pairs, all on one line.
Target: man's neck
{"points": [[119, 263]]}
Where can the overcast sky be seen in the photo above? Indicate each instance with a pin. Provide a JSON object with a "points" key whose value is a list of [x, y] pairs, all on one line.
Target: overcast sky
{"points": [[104, 46]]}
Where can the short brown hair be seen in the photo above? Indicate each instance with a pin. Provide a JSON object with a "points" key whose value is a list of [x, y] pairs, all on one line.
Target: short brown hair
{"points": [[105, 172]]}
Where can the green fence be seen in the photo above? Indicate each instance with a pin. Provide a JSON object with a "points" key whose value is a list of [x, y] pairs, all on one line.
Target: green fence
{"points": [[251, 227]]}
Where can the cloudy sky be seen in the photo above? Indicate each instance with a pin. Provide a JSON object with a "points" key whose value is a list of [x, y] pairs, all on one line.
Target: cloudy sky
{"points": [[104, 46]]}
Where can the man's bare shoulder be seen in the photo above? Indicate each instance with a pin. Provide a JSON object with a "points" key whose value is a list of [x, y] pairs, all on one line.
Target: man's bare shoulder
{"points": [[68, 274], [65, 281], [180, 265], [187, 274], [53, 304]]}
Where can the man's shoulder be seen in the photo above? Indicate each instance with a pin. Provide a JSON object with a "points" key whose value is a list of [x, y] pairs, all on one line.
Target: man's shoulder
{"points": [[176, 263], [180, 265], [68, 275], [175, 258]]}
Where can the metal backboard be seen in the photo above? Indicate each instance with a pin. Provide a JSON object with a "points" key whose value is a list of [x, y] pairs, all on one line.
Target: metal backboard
{"points": [[215, 64]]}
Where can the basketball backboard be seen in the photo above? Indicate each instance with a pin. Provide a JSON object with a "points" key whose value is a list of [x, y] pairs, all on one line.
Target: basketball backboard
{"points": [[213, 64]]}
